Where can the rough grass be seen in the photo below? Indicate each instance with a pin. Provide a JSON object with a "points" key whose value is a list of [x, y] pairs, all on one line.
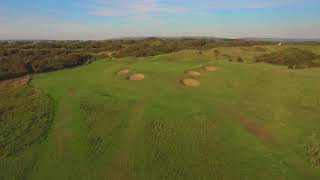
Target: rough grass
{"points": [[291, 57], [25, 117], [245, 121], [312, 148]]}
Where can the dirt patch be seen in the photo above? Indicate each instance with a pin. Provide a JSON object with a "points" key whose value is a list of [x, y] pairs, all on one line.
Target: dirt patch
{"points": [[71, 92], [35, 93], [210, 68], [193, 73], [13, 83], [123, 72], [256, 130], [253, 128], [190, 82], [136, 77]]}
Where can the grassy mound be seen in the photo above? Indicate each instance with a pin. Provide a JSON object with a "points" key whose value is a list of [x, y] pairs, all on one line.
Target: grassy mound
{"points": [[123, 72], [136, 77], [292, 57], [193, 73], [190, 82], [210, 68]]}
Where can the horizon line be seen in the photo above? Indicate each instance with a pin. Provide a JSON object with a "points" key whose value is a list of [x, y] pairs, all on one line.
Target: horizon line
{"points": [[169, 37]]}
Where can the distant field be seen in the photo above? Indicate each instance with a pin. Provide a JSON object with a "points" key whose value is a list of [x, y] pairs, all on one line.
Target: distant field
{"points": [[245, 120]]}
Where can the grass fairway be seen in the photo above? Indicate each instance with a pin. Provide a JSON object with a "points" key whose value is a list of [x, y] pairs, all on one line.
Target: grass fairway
{"points": [[244, 121]]}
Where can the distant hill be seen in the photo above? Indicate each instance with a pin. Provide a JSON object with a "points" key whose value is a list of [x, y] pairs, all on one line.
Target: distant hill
{"points": [[280, 39], [169, 38], [180, 37]]}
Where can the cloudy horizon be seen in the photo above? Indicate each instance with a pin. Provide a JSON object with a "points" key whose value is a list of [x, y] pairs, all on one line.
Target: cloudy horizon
{"points": [[105, 19]]}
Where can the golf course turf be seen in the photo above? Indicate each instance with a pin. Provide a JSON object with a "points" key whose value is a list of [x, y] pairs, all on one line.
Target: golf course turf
{"points": [[244, 120]]}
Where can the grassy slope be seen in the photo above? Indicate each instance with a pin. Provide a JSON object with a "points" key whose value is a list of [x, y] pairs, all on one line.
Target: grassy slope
{"points": [[25, 119], [245, 121]]}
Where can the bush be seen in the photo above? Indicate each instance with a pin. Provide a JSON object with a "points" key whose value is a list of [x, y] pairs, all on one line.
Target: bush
{"points": [[15, 63], [239, 59], [293, 58]]}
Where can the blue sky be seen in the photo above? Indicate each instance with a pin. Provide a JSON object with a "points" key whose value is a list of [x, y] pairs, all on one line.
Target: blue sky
{"points": [[103, 19]]}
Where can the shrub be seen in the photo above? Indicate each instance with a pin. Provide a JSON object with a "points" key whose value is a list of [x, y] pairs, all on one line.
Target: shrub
{"points": [[292, 57], [239, 59], [15, 63]]}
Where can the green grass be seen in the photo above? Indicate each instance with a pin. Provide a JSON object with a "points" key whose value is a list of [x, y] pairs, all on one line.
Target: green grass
{"points": [[245, 121]]}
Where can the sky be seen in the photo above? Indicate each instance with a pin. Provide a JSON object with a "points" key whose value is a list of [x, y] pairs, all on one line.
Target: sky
{"points": [[105, 19]]}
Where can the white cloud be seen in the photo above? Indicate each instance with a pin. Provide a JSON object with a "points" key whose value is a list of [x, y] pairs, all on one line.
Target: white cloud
{"points": [[127, 8], [153, 18], [248, 4], [46, 28], [133, 8], [49, 28], [43, 28]]}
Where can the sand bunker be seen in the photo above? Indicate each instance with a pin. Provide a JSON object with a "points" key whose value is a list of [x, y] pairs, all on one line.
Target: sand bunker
{"points": [[210, 68], [123, 72], [193, 73], [190, 82], [136, 77]]}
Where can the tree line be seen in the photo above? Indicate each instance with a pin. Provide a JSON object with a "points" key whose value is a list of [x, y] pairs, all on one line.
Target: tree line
{"points": [[18, 58]]}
